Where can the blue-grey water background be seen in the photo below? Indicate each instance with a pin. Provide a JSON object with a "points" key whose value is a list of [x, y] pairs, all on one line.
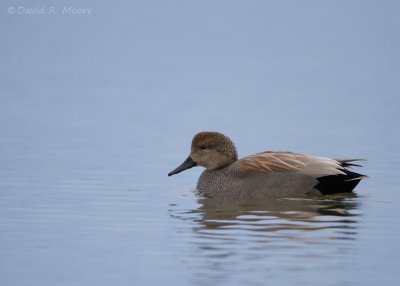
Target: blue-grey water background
{"points": [[96, 109]]}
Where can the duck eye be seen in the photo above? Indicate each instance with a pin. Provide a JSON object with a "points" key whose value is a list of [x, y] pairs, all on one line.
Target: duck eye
{"points": [[203, 147]]}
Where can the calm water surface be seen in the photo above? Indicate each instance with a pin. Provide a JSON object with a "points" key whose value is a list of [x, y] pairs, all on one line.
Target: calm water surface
{"points": [[99, 212], [96, 110]]}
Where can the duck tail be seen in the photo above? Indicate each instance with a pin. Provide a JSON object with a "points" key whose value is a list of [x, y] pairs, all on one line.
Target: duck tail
{"points": [[349, 162], [345, 183]]}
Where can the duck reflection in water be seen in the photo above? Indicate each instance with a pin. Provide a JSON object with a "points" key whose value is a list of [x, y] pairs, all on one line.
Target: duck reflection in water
{"points": [[279, 214], [281, 236]]}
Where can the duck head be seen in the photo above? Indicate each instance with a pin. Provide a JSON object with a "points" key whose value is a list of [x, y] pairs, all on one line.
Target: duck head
{"points": [[211, 150]]}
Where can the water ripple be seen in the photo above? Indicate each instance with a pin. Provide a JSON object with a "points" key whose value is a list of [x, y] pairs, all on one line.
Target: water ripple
{"points": [[287, 234]]}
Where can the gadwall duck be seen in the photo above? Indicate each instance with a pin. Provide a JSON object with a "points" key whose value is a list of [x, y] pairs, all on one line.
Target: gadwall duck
{"points": [[266, 174]]}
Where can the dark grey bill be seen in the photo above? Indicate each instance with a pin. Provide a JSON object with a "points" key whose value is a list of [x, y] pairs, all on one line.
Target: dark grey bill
{"points": [[189, 163]]}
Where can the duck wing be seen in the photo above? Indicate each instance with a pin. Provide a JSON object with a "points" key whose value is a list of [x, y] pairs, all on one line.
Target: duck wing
{"points": [[331, 176], [270, 162]]}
